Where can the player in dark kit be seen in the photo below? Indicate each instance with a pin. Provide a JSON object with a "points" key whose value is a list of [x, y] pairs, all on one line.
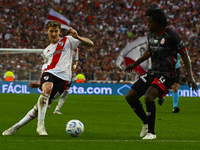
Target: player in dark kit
{"points": [[163, 46]]}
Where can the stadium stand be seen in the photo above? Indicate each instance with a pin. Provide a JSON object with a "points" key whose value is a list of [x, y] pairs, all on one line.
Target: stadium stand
{"points": [[111, 24]]}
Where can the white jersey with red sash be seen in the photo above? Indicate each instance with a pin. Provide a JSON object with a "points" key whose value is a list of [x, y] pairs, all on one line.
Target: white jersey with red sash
{"points": [[58, 57]]}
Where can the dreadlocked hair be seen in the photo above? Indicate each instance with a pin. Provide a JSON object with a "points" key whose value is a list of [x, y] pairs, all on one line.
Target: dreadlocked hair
{"points": [[158, 16]]}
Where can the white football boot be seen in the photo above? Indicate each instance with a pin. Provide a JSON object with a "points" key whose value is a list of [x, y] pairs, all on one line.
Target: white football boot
{"points": [[149, 136], [10, 131], [57, 112], [41, 131], [144, 130]]}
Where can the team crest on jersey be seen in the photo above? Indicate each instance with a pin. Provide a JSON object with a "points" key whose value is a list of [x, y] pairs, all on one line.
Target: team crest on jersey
{"points": [[162, 41], [46, 77], [61, 43], [155, 41]]}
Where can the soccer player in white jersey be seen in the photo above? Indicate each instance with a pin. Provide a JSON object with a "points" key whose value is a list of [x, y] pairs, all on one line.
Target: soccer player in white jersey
{"points": [[63, 97], [58, 57]]}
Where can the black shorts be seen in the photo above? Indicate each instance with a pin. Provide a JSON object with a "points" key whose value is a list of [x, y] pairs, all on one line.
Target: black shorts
{"points": [[162, 83], [178, 76], [69, 84], [59, 85]]}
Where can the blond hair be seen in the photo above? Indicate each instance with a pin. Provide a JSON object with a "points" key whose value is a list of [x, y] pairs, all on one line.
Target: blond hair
{"points": [[53, 23]]}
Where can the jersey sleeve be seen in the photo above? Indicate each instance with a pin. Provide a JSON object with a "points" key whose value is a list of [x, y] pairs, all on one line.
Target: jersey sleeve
{"points": [[75, 57], [178, 44], [74, 42]]}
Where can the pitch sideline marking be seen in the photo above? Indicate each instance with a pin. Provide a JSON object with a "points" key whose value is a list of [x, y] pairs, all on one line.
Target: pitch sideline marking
{"points": [[154, 141]]}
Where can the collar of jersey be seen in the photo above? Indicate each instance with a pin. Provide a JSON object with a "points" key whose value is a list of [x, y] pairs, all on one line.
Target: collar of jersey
{"points": [[56, 42], [162, 32]]}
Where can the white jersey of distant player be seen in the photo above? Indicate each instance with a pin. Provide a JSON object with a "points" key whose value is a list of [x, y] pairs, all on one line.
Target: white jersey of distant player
{"points": [[58, 57]]}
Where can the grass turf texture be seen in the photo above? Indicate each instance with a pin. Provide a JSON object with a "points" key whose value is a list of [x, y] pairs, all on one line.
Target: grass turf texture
{"points": [[109, 123]]}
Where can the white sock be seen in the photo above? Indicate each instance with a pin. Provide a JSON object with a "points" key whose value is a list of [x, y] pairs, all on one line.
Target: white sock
{"points": [[42, 107], [62, 100], [32, 114]]}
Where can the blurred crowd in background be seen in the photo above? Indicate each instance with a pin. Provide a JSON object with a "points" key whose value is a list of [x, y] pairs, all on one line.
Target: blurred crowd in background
{"points": [[110, 24]]}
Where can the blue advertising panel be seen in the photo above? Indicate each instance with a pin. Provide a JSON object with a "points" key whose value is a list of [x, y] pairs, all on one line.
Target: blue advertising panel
{"points": [[16, 87], [88, 88]]}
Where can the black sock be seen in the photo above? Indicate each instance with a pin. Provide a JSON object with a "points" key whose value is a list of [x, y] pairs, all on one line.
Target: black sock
{"points": [[138, 109], [151, 115]]}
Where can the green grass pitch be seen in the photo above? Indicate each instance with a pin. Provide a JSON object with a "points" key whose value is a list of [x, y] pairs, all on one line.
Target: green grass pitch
{"points": [[109, 123]]}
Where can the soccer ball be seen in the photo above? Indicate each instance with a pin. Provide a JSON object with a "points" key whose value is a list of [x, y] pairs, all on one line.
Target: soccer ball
{"points": [[74, 128]]}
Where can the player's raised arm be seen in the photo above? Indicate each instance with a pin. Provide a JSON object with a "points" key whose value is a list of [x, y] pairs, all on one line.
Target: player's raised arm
{"points": [[85, 41]]}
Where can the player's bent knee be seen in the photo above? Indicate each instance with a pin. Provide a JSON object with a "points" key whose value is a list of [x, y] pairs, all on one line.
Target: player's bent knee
{"points": [[131, 95], [128, 97], [47, 91], [148, 98]]}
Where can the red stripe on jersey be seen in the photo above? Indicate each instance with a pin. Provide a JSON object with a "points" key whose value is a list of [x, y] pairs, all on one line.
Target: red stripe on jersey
{"points": [[163, 88], [50, 17], [182, 50], [57, 53]]}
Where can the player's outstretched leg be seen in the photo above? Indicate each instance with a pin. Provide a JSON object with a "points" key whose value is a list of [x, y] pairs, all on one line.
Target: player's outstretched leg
{"points": [[42, 107], [32, 114], [133, 100], [61, 101]]}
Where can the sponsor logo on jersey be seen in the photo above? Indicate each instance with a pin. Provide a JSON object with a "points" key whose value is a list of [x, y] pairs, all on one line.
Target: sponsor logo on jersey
{"points": [[46, 77], [57, 52]]}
